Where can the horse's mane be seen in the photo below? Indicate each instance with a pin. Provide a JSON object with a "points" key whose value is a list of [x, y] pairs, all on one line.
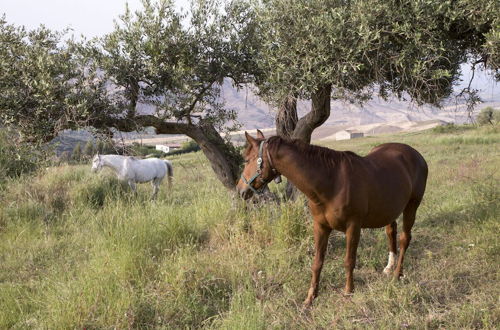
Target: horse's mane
{"points": [[327, 157]]}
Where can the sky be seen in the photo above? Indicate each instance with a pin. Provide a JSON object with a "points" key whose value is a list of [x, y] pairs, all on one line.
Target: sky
{"points": [[92, 18]]}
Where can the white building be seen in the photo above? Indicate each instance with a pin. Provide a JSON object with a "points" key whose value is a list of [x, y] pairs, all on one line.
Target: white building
{"points": [[167, 148], [348, 134], [162, 147]]}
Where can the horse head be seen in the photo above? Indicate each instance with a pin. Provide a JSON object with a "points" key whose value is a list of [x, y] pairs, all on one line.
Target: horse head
{"points": [[97, 163], [258, 170]]}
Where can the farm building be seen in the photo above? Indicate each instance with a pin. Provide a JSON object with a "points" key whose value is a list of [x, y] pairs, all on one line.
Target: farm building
{"points": [[348, 134], [167, 148]]}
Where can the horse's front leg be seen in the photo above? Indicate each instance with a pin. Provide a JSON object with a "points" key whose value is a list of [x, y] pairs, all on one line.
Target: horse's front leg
{"points": [[156, 187], [353, 233], [321, 234], [132, 185]]}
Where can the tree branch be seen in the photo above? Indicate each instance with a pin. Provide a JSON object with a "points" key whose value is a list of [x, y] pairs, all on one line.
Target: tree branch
{"points": [[131, 124]]}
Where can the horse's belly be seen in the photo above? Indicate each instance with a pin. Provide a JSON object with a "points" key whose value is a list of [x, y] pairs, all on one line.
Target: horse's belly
{"points": [[141, 178], [378, 222], [387, 200], [380, 217]]}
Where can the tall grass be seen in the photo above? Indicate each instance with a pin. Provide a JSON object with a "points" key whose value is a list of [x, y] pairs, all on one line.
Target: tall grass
{"points": [[81, 251]]}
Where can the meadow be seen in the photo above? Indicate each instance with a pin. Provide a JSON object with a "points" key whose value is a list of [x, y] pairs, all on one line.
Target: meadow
{"points": [[78, 250]]}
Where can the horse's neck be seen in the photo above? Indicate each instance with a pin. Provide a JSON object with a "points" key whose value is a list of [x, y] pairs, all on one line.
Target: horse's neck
{"points": [[114, 162], [300, 171]]}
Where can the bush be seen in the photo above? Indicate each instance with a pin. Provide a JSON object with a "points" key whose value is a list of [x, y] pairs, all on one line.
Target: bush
{"points": [[488, 115], [16, 158], [189, 146], [452, 128], [143, 151], [496, 116], [89, 150], [99, 146], [77, 153], [446, 128]]}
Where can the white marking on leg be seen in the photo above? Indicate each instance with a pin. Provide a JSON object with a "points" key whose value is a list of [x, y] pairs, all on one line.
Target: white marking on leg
{"points": [[391, 262]]}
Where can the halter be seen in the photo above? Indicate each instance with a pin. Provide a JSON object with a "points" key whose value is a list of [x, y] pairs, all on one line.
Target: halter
{"points": [[259, 171]]}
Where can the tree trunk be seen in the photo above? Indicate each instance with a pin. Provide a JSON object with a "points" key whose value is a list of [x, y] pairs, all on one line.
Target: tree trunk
{"points": [[320, 111], [288, 125], [286, 120], [133, 97], [223, 157]]}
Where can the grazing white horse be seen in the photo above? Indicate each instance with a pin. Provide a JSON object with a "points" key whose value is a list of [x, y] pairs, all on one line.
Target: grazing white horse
{"points": [[133, 170]]}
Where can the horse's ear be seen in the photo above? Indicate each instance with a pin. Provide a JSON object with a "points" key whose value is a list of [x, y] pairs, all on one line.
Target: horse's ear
{"points": [[250, 139], [260, 135]]}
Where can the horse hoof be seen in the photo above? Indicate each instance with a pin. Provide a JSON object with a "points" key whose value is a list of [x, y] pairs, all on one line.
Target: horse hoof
{"points": [[347, 295], [387, 271], [306, 306]]}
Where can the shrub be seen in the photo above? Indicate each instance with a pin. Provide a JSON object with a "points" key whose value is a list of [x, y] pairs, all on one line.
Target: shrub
{"points": [[496, 116], [105, 147], [89, 150], [99, 146], [488, 115], [16, 158], [189, 146], [452, 128], [65, 156], [143, 151], [77, 153], [446, 128]]}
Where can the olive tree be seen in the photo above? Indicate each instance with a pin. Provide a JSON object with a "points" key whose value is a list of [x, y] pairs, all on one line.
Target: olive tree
{"points": [[152, 58], [318, 50], [43, 89]]}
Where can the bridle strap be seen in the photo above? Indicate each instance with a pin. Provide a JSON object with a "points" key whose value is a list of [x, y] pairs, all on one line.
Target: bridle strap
{"points": [[260, 163], [278, 178]]}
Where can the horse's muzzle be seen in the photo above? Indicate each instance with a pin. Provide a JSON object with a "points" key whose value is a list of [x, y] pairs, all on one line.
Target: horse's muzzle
{"points": [[246, 193]]}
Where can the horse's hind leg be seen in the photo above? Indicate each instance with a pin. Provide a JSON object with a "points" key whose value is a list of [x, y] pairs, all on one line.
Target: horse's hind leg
{"points": [[405, 237], [391, 231], [169, 180]]}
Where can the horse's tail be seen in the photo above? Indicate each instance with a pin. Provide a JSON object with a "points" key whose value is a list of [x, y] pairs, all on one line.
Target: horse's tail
{"points": [[170, 172]]}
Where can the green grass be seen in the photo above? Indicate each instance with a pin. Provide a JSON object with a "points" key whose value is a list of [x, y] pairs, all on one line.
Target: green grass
{"points": [[80, 251]]}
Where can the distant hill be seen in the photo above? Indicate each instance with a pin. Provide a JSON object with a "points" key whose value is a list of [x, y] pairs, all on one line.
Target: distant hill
{"points": [[254, 113]]}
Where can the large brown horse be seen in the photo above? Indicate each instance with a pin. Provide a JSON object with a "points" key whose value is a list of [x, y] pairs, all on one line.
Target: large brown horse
{"points": [[346, 192]]}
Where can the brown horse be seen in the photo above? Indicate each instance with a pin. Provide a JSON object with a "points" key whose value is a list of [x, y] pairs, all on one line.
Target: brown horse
{"points": [[346, 192]]}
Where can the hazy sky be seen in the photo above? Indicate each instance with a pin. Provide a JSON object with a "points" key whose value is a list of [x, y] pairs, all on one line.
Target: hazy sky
{"points": [[88, 17]]}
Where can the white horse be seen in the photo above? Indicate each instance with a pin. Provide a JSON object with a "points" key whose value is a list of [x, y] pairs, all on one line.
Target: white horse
{"points": [[133, 170]]}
